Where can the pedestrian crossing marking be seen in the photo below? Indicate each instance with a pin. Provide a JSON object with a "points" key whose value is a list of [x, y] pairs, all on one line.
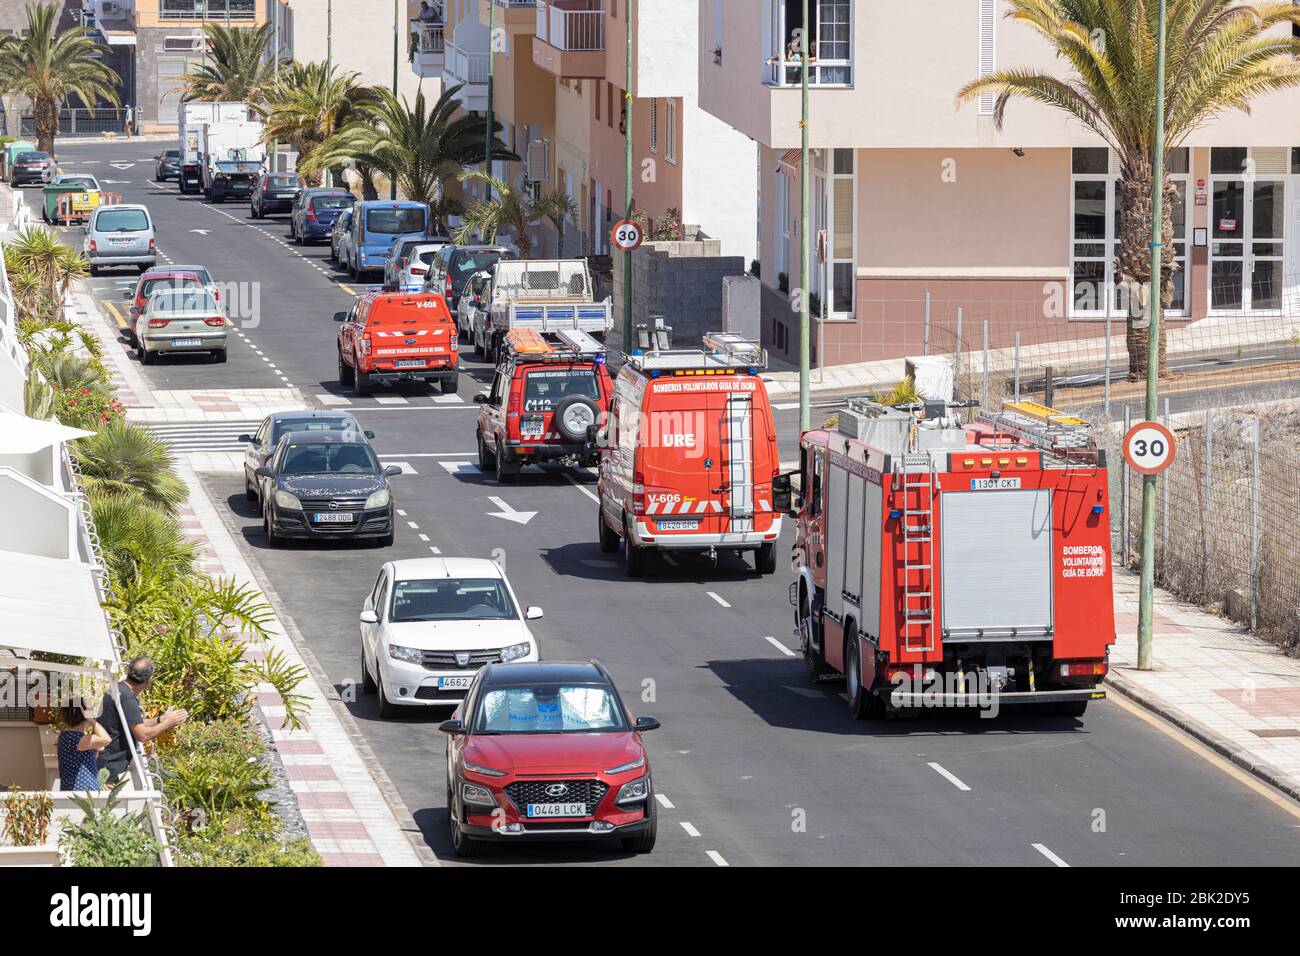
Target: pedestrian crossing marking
{"points": [[391, 400], [456, 467]]}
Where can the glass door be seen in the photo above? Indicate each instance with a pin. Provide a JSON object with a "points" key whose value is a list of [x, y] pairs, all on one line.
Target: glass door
{"points": [[1228, 251], [1267, 226], [1247, 251]]}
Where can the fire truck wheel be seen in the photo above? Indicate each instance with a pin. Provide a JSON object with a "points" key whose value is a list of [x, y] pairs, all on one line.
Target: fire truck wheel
{"points": [[765, 559], [633, 556], [345, 371], [608, 537], [863, 705], [574, 415], [486, 461], [1072, 708], [360, 383], [506, 471], [814, 664]]}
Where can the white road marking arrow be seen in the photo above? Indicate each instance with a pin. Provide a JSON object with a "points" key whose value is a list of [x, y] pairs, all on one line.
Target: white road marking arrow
{"points": [[201, 232], [121, 165], [509, 513]]}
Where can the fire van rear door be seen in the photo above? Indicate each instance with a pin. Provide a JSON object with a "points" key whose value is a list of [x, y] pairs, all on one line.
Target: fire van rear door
{"points": [[996, 564], [737, 433]]}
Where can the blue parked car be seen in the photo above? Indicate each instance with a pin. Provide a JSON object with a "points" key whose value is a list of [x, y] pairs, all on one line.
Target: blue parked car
{"points": [[376, 224], [315, 211]]}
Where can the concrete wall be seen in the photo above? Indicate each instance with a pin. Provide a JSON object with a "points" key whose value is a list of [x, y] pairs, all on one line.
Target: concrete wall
{"points": [[22, 758], [362, 42], [682, 281], [37, 521]]}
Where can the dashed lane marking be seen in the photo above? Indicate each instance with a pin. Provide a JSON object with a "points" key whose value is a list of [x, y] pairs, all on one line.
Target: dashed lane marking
{"points": [[690, 829], [947, 775], [716, 857], [779, 646], [1050, 855], [664, 802], [718, 598], [581, 487]]}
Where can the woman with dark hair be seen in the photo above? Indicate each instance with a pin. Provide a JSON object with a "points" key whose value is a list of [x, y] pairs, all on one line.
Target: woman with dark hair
{"points": [[80, 742]]}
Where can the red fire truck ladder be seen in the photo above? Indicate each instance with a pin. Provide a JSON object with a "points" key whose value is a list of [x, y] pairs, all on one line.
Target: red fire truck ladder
{"points": [[917, 480]]}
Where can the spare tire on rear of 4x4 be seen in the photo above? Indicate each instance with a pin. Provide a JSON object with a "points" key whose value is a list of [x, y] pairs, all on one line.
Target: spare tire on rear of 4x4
{"points": [[574, 415]]}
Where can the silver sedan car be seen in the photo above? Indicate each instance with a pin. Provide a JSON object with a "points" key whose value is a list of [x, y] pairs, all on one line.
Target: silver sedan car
{"points": [[181, 320]]}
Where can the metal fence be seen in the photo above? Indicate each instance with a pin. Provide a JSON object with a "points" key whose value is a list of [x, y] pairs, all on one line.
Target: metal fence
{"points": [[1229, 505], [77, 119]]}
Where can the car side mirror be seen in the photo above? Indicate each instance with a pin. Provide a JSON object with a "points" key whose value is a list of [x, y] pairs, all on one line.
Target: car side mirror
{"points": [[263, 472], [533, 613], [136, 310], [454, 727], [340, 316], [646, 722], [392, 470], [128, 294], [481, 398], [781, 493], [368, 433], [369, 617], [245, 439]]}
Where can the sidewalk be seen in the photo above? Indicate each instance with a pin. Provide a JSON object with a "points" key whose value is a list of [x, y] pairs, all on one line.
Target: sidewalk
{"points": [[1224, 686], [353, 814]]}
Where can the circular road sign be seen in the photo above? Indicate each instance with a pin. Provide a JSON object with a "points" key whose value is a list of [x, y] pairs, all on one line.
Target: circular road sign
{"points": [[1149, 448], [626, 235]]}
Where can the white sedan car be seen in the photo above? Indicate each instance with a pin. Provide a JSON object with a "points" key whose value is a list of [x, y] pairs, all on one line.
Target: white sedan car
{"points": [[429, 624]]}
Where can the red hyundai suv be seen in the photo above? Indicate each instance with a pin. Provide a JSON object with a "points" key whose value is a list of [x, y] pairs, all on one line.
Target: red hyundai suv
{"points": [[547, 751]]}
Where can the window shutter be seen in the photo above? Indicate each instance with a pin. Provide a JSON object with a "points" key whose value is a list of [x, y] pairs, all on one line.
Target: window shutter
{"points": [[988, 50], [654, 124], [1270, 160], [539, 154]]}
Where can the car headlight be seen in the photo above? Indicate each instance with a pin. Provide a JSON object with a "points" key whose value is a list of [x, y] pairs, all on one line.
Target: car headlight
{"points": [[486, 771], [635, 791], [285, 500], [636, 764], [379, 499], [515, 651], [410, 655], [476, 795]]}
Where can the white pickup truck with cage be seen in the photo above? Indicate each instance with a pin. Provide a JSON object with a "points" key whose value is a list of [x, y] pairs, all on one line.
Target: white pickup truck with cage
{"points": [[543, 294]]}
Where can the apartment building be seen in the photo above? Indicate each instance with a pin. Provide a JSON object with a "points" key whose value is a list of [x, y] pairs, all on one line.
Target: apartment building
{"points": [[912, 194], [154, 42], [357, 36], [559, 72]]}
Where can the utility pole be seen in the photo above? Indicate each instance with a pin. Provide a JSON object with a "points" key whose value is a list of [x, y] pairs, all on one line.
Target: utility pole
{"points": [[275, 43], [627, 152], [392, 182], [805, 398], [329, 36], [1146, 596], [487, 133]]}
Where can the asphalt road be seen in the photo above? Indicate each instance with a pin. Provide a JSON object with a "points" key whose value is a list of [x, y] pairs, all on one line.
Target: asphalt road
{"points": [[757, 767]]}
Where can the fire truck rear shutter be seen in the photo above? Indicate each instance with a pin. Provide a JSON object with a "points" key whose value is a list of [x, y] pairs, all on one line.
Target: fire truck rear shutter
{"points": [[997, 564]]}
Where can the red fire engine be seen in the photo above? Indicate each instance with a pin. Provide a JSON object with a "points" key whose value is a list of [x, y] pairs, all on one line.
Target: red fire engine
{"points": [[947, 564]]}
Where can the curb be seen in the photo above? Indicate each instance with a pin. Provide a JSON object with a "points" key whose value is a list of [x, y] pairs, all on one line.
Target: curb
{"points": [[1211, 738]]}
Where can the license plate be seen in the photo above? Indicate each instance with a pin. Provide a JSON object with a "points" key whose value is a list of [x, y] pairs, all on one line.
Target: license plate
{"points": [[688, 525], [333, 517], [120, 242], [185, 343], [454, 683], [993, 484], [557, 809], [409, 363]]}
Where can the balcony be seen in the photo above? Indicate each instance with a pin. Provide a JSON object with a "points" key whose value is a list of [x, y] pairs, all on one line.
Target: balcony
{"points": [[570, 39], [207, 9], [469, 68], [428, 47]]}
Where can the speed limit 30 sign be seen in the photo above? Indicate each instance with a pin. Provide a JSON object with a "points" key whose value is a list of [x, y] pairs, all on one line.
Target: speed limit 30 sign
{"points": [[1149, 448], [626, 235]]}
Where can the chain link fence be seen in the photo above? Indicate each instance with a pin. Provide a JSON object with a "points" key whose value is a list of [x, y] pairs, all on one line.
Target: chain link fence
{"points": [[1228, 509]]}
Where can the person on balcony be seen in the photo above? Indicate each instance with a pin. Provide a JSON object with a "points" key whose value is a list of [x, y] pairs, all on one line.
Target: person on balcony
{"points": [[116, 757], [428, 13], [80, 742]]}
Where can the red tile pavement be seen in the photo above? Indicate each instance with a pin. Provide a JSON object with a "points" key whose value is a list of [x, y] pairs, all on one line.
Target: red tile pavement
{"points": [[269, 698], [323, 800], [310, 771], [299, 747], [1265, 701], [278, 722], [338, 830], [352, 859]]}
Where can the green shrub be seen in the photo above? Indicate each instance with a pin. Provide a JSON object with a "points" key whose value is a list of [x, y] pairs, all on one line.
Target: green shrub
{"points": [[243, 840], [26, 817], [210, 770], [106, 838]]}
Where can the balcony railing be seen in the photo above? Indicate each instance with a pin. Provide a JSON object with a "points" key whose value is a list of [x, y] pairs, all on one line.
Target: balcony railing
{"points": [[784, 71], [432, 41], [571, 30], [207, 9], [466, 66]]}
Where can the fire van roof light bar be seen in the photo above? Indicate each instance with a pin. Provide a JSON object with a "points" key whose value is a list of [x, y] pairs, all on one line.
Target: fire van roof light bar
{"points": [[725, 351]]}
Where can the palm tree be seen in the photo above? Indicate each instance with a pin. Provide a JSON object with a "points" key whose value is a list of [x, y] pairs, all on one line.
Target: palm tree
{"points": [[54, 265], [237, 68], [307, 105], [47, 67], [129, 460], [1220, 56], [419, 146], [512, 211]]}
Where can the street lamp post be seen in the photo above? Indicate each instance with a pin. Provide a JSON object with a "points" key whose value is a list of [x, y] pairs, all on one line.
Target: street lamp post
{"points": [[805, 400], [1146, 595], [627, 153], [487, 132]]}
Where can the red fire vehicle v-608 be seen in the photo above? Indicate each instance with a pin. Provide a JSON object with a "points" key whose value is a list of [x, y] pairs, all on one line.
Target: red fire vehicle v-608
{"points": [[942, 563]]}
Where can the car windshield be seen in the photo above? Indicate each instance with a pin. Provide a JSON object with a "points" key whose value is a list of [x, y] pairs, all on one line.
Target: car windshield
{"points": [[336, 423], [122, 220], [87, 182], [394, 222], [171, 153], [548, 709], [149, 286], [546, 388], [236, 167], [31, 157], [322, 458], [282, 180], [466, 264], [197, 299], [332, 202], [452, 599]]}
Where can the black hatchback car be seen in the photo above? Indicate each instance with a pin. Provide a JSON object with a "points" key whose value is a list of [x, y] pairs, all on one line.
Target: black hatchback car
{"points": [[274, 192], [315, 211], [326, 484], [167, 165], [33, 167]]}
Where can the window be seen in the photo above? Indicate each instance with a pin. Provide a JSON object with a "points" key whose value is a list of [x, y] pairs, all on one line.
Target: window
{"points": [[548, 709], [596, 98], [1228, 160], [841, 246], [670, 131], [609, 102], [452, 599], [830, 42], [654, 124]]}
